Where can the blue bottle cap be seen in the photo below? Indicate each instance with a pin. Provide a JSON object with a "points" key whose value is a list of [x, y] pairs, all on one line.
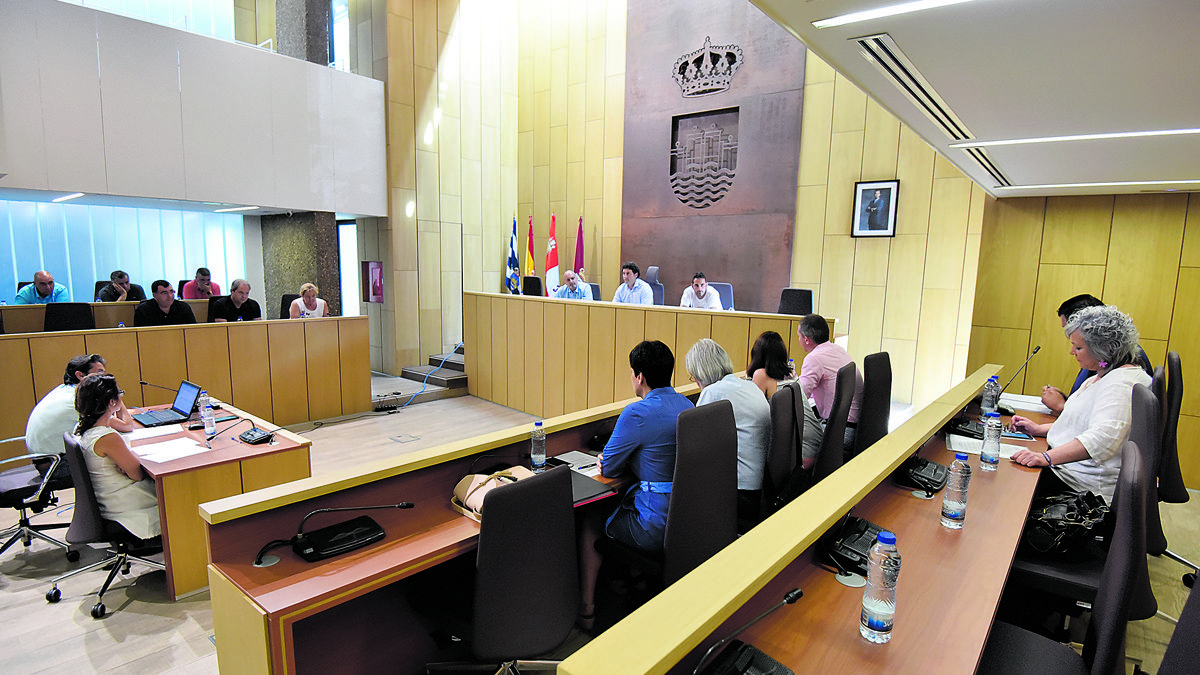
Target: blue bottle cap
{"points": [[537, 423], [960, 456], [886, 537], [993, 414]]}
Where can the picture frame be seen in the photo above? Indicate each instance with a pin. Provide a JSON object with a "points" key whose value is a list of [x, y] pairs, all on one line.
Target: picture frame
{"points": [[372, 281], [875, 208]]}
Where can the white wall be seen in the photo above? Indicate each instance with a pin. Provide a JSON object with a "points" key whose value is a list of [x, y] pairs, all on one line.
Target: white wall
{"points": [[94, 102]]}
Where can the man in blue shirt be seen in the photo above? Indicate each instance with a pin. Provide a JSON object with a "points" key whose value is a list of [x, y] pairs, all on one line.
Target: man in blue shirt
{"points": [[633, 290], [643, 446], [572, 289], [42, 291]]}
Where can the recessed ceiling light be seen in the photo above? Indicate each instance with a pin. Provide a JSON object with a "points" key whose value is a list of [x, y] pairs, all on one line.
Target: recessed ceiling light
{"points": [[1075, 137], [1124, 183], [236, 208], [881, 12], [67, 198]]}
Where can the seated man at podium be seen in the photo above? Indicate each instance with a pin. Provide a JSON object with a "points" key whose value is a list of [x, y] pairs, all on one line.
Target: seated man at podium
{"points": [[162, 309], [237, 306], [120, 290]]}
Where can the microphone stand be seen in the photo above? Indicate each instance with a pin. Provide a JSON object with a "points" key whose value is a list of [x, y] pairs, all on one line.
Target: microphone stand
{"points": [[789, 598], [1007, 409]]}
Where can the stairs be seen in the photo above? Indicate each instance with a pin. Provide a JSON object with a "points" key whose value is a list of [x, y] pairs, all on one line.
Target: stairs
{"points": [[448, 381]]}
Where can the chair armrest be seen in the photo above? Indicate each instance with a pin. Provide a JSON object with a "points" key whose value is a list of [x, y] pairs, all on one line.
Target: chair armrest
{"points": [[32, 457]]}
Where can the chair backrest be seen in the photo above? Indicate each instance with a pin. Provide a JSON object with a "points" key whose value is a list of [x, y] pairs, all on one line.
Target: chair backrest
{"points": [[99, 287], [829, 457], [1158, 385], [1, 323], [87, 525], [726, 291], [797, 301], [1183, 651], [68, 316], [702, 517], [876, 411], [285, 305], [212, 300], [1104, 646], [179, 288], [1143, 432], [1170, 480], [23, 284], [786, 430], [595, 291], [527, 575], [660, 293], [531, 285]]}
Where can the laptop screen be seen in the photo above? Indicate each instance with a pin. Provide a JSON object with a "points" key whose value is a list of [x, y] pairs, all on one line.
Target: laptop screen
{"points": [[185, 400]]}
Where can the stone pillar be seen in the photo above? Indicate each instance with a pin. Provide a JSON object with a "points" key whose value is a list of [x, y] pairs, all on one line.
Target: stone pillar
{"points": [[302, 30], [300, 248]]}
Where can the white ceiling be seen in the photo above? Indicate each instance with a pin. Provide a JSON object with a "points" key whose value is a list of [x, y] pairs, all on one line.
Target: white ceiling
{"points": [[1033, 68]]}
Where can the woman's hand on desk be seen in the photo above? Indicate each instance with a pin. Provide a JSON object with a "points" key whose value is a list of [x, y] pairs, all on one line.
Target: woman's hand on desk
{"points": [[1029, 426], [1026, 457]]}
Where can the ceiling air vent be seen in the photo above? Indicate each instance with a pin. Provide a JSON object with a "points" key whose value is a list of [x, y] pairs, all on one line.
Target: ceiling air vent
{"points": [[882, 51]]}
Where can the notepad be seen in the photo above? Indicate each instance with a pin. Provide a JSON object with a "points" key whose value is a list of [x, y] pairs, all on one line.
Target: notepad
{"points": [[974, 446]]}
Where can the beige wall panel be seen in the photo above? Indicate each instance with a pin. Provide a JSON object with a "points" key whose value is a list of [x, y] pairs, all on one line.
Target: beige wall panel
{"points": [[809, 235], [187, 536], [947, 233], [845, 158], [602, 348], [515, 340], [48, 355], [614, 172], [758, 325], [849, 107], [23, 318], [111, 314], [554, 385], [534, 372], [250, 372], [866, 321], [609, 267], [629, 331], [482, 349], [1191, 238], [1008, 259], [1157, 351], [1185, 336], [906, 274], [816, 127], [593, 159], [1189, 450], [1077, 230], [966, 299], [1147, 236], [614, 118], [935, 344], [289, 375], [499, 346], [276, 469], [960, 364], [431, 333], [914, 168], [471, 341], [836, 279], [162, 357], [207, 349], [689, 328], [1053, 365], [120, 352], [576, 357], [242, 625], [661, 326], [355, 366], [325, 372], [16, 380], [943, 168], [1007, 347], [882, 143], [979, 202], [903, 355], [731, 331], [871, 261]]}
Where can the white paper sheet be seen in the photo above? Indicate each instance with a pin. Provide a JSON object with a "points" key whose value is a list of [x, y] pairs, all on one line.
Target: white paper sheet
{"points": [[153, 432], [974, 446], [169, 450], [582, 462], [1025, 402]]}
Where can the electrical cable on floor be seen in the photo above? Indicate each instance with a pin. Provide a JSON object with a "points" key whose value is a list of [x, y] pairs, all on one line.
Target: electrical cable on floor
{"points": [[424, 383]]}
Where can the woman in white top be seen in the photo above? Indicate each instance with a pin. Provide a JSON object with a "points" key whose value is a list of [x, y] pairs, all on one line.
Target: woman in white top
{"points": [[1085, 441], [124, 492], [308, 304]]}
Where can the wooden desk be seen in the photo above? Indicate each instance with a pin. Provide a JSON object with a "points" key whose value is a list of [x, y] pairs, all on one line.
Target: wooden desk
{"points": [[32, 318], [229, 468]]}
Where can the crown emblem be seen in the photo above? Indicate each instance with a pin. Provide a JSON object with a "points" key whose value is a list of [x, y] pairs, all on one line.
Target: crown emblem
{"points": [[708, 70]]}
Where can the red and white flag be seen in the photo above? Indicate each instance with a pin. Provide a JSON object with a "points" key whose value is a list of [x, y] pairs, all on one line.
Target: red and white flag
{"points": [[551, 260]]}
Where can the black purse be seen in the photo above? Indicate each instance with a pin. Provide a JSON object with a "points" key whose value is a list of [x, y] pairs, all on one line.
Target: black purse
{"points": [[1065, 524]]}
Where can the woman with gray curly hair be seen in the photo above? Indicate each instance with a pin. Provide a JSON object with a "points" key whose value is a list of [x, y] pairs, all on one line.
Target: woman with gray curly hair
{"points": [[1085, 441]]}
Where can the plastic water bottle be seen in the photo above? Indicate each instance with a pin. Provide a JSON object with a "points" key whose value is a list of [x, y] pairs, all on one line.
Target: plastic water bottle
{"points": [[991, 395], [537, 447], [792, 368], [120, 324], [879, 596], [989, 457], [954, 498], [206, 414]]}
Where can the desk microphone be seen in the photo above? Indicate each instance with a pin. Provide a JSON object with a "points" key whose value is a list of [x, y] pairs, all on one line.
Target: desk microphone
{"points": [[332, 540], [788, 598], [157, 386], [208, 437], [1010, 380]]}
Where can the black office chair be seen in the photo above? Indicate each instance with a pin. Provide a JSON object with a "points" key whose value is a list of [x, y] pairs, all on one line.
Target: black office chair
{"points": [[656, 288], [1, 323], [833, 443], [1170, 480], [99, 287], [26, 489], [179, 288], [89, 527], [726, 292], [1183, 651], [68, 316], [787, 430], [211, 302], [531, 285], [1014, 651], [526, 573], [796, 301], [285, 305], [875, 411], [23, 284], [595, 291]]}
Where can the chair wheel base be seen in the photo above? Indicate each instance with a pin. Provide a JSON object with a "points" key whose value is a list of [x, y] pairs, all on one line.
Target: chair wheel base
{"points": [[1189, 579], [98, 610], [72, 556], [53, 595]]}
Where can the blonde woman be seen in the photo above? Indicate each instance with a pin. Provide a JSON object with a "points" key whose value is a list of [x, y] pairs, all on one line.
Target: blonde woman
{"points": [[308, 304]]}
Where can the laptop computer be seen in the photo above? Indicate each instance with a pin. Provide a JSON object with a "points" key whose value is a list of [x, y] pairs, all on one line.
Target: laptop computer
{"points": [[185, 400]]}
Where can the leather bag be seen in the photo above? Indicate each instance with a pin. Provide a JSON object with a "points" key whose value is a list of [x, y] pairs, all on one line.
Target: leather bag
{"points": [[470, 491]]}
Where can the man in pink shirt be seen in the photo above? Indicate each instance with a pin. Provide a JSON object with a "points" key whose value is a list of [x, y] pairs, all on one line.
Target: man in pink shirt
{"points": [[201, 287], [818, 378]]}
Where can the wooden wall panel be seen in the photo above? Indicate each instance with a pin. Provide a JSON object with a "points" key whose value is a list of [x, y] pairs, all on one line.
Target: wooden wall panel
{"points": [[289, 372], [866, 323], [1190, 257], [557, 342], [16, 381], [499, 352], [690, 327], [1009, 252], [576, 357], [947, 234], [471, 341], [1053, 365], [120, 351], [602, 348], [514, 313], [207, 350], [281, 467], [111, 314], [479, 351], [1077, 230], [662, 326], [1147, 237], [1185, 339], [1009, 347], [163, 358], [354, 349], [324, 399], [935, 348], [534, 341], [629, 330], [23, 318], [731, 331], [906, 276], [1189, 449], [250, 372], [46, 358]]}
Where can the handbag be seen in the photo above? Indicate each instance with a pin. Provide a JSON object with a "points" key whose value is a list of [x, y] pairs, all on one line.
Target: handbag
{"points": [[470, 491], [1065, 524]]}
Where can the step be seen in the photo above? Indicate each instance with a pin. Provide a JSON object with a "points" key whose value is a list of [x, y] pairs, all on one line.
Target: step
{"points": [[453, 361], [432, 393], [459, 349], [451, 379]]}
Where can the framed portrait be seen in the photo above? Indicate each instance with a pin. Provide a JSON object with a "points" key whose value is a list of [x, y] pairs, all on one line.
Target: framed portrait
{"points": [[875, 208], [372, 281]]}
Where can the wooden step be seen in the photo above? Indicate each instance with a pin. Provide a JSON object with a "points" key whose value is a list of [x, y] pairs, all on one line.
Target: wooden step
{"points": [[453, 361], [445, 377]]}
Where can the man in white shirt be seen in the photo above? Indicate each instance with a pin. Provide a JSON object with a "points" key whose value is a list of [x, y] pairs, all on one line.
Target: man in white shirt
{"points": [[573, 288], [633, 290], [699, 295]]}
